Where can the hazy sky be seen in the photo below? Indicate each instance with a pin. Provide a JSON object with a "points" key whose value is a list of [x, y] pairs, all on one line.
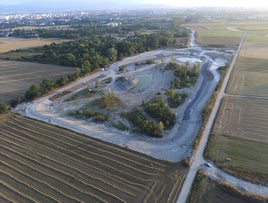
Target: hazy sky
{"points": [[182, 3]]}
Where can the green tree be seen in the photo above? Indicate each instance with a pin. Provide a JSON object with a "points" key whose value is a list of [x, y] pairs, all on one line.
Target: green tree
{"points": [[161, 125], [32, 93], [85, 67], [77, 72], [14, 102], [3, 108], [47, 85], [112, 54]]}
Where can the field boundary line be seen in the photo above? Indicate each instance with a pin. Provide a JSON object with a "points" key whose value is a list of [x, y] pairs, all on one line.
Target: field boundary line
{"points": [[198, 158]]}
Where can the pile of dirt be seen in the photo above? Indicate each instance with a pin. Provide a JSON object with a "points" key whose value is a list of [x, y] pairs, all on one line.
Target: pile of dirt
{"points": [[125, 83]]}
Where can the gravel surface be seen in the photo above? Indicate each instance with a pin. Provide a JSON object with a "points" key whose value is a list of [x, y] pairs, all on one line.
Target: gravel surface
{"points": [[176, 143]]}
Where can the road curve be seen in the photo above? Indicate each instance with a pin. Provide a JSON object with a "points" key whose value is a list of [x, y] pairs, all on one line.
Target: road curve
{"points": [[217, 174], [197, 158]]}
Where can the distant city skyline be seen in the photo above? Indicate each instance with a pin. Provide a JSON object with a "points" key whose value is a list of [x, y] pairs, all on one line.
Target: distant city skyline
{"points": [[123, 3]]}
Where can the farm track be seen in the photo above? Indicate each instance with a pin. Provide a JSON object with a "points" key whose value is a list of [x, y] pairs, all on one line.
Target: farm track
{"points": [[41, 162]]}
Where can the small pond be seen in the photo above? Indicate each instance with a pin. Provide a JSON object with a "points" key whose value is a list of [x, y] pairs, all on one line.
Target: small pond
{"points": [[144, 81]]}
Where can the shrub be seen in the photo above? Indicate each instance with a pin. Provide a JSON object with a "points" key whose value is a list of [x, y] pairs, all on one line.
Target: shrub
{"points": [[175, 99], [3, 108], [156, 108], [145, 126]]}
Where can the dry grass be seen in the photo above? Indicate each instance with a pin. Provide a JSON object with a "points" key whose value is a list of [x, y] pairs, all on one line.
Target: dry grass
{"points": [[17, 77], [9, 43], [45, 163]]}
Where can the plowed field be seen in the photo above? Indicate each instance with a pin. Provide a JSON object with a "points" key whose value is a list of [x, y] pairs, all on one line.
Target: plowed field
{"points": [[45, 163], [17, 77]]}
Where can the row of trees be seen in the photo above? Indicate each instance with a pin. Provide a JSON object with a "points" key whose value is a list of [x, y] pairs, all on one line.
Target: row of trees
{"points": [[90, 54], [70, 33], [88, 28], [36, 90]]}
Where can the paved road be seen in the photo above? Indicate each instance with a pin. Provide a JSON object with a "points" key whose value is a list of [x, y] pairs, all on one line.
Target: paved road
{"points": [[198, 159]]}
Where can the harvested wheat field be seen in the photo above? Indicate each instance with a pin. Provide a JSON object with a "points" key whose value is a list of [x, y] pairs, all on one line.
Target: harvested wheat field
{"points": [[11, 43], [45, 163], [17, 77], [239, 138], [250, 76], [216, 34]]}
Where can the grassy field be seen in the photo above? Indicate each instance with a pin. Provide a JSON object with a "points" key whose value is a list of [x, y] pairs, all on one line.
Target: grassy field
{"points": [[216, 34], [239, 138], [9, 43], [250, 76], [205, 190], [17, 77], [45, 163]]}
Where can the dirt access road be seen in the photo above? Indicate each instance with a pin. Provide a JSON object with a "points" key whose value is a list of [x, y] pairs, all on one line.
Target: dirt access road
{"points": [[198, 160], [174, 146]]}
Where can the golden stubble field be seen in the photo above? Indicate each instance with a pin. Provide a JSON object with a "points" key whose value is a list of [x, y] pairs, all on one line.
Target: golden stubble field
{"points": [[17, 77], [45, 163]]}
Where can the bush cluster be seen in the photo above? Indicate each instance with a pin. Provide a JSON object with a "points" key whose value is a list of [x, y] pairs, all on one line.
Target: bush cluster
{"points": [[148, 127]]}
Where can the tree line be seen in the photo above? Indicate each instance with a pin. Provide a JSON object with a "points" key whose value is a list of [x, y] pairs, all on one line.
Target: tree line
{"points": [[92, 53], [88, 55]]}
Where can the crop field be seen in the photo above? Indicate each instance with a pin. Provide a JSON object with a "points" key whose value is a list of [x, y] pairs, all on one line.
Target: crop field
{"points": [[45, 163], [248, 25], [239, 138], [9, 43], [205, 190], [250, 75], [216, 34], [17, 77]]}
